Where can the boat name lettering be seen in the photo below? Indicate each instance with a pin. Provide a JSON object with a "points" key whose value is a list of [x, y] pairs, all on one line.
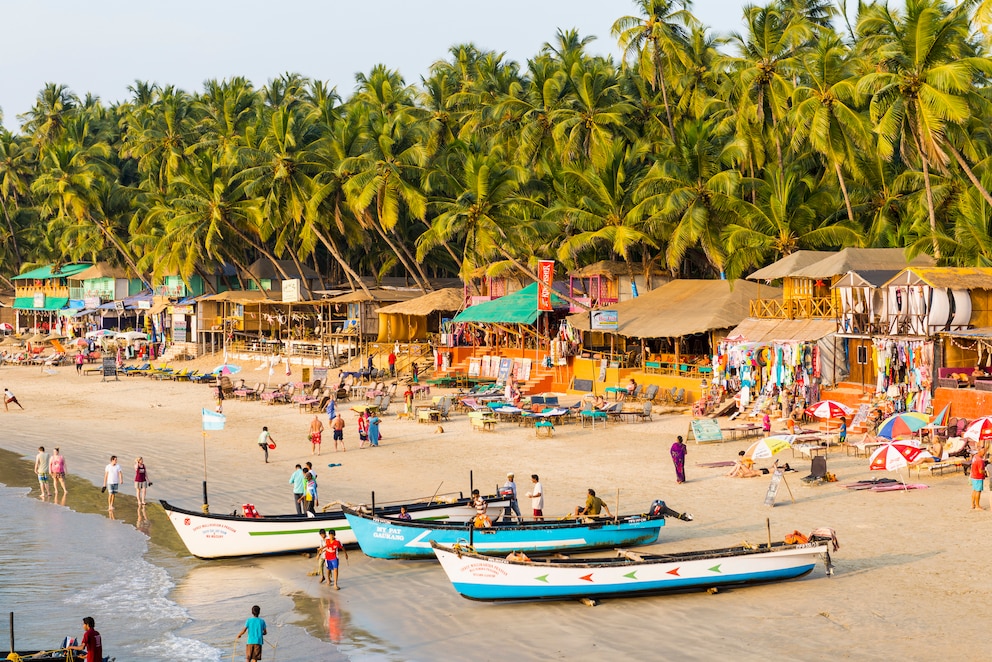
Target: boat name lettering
{"points": [[485, 570], [388, 533], [634, 519], [214, 530]]}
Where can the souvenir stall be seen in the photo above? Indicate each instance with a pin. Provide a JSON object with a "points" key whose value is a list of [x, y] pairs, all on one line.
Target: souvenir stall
{"points": [[770, 375], [904, 370]]}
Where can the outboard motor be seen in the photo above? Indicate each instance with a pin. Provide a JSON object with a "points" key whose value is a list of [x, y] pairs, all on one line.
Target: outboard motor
{"points": [[658, 508]]}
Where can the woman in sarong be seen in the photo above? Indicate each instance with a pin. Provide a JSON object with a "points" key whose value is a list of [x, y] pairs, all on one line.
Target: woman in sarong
{"points": [[678, 458]]}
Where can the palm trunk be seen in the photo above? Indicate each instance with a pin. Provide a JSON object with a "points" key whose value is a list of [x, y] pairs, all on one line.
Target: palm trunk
{"points": [[930, 210], [416, 263], [843, 189], [336, 254], [371, 222], [13, 235], [206, 278], [260, 247], [659, 70], [971, 175], [121, 250], [303, 278]]}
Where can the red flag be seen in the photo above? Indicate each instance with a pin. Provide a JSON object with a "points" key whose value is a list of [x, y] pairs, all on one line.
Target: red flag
{"points": [[546, 274]]}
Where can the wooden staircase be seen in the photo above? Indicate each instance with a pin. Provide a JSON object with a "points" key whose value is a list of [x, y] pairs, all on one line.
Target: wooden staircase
{"points": [[852, 395]]}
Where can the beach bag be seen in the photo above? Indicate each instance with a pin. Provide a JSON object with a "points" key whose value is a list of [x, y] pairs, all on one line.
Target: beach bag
{"points": [[796, 538]]}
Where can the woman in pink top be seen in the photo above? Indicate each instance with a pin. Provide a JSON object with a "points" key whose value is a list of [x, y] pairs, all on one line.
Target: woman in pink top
{"points": [[56, 467]]}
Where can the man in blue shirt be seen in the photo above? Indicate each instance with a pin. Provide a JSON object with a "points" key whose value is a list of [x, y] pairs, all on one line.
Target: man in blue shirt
{"points": [[299, 484], [332, 410], [255, 627]]}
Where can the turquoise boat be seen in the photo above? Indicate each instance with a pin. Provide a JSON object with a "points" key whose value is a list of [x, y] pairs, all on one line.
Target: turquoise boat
{"points": [[385, 537]]}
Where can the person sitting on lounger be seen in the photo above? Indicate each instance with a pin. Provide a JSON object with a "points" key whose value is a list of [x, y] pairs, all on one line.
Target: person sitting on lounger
{"points": [[743, 468], [594, 506], [629, 392]]}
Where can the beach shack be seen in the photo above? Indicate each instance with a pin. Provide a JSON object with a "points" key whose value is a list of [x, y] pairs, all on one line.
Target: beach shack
{"points": [[40, 293], [607, 282], [664, 337]]}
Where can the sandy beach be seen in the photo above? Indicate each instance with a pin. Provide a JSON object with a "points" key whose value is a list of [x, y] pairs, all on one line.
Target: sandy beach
{"points": [[909, 574]]}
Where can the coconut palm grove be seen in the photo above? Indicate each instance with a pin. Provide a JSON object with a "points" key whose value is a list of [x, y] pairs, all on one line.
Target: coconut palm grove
{"points": [[700, 153]]}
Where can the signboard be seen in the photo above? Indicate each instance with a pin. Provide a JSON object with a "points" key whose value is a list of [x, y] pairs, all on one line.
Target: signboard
{"points": [[109, 368], [91, 302], [39, 300], [144, 304], [773, 487], [474, 367], [179, 328], [291, 290], [546, 276], [603, 320], [319, 373], [706, 429], [504, 370], [119, 306], [182, 310]]}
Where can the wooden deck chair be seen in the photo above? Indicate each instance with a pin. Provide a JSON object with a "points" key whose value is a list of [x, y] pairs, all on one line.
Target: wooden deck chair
{"points": [[650, 393], [817, 470], [678, 396]]}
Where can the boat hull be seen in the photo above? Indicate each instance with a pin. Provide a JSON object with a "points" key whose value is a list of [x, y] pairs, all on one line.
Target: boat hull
{"points": [[221, 536], [387, 538], [480, 577]]}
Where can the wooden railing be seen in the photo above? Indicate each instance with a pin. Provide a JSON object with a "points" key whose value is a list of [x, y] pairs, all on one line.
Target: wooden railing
{"points": [[814, 307]]}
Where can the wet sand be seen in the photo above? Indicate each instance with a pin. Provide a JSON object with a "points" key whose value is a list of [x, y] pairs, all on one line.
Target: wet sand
{"points": [[909, 583]]}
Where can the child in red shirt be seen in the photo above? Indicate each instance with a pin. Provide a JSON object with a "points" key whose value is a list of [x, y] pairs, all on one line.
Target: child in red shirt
{"points": [[977, 481], [331, 547]]}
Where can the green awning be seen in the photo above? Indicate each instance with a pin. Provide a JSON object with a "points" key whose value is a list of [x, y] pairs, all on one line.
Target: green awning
{"points": [[42, 273], [517, 308], [51, 303]]}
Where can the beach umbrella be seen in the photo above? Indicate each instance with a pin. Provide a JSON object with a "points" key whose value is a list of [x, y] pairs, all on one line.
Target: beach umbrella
{"points": [[768, 446], [980, 429], [902, 425], [99, 333], [893, 456], [131, 336], [226, 369], [829, 409], [5, 327], [941, 419], [80, 342]]}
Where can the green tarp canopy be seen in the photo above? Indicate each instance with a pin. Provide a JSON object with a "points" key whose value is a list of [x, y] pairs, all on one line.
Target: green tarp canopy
{"points": [[51, 303], [517, 308], [44, 273]]}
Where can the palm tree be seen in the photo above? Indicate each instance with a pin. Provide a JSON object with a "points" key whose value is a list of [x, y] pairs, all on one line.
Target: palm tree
{"points": [[46, 119], [656, 39]]}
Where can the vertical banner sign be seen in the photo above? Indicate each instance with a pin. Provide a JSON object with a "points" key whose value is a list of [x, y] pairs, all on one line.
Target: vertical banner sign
{"points": [[546, 274]]}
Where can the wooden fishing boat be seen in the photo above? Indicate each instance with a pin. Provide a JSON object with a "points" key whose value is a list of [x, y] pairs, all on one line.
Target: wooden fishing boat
{"points": [[49, 656], [480, 577], [385, 537], [210, 536]]}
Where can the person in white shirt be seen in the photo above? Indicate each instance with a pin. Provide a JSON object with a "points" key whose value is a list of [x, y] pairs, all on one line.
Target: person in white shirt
{"points": [[537, 497], [113, 478]]}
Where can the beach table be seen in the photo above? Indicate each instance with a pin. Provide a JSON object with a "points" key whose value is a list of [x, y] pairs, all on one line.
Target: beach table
{"points": [[616, 391], [743, 431]]}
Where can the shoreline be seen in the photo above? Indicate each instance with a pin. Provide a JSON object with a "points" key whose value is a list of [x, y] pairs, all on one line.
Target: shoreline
{"points": [[901, 547]]}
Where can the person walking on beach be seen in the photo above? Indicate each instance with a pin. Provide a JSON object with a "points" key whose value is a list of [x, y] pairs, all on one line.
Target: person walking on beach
{"points": [[41, 468], [678, 459], [264, 440], [299, 483], [113, 476], [331, 410], [337, 427], [309, 501], [9, 398], [537, 498], [363, 428], [509, 489], [392, 363], [140, 480], [374, 434], [79, 362], [331, 548], [255, 627], [978, 474], [316, 431], [56, 467], [92, 642], [320, 553]]}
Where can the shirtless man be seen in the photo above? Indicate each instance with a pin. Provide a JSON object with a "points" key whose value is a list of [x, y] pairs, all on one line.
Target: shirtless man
{"points": [[316, 428], [337, 425]]}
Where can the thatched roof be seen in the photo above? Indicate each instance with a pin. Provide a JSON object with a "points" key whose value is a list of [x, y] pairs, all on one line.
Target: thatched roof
{"points": [[100, 270], [953, 278], [789, 264], [858, 259], [240, 296], [773, 330], [449, 299], [684, 307]]}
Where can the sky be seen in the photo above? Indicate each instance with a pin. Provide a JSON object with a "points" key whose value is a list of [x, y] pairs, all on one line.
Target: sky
{"points": [[103, 46]]}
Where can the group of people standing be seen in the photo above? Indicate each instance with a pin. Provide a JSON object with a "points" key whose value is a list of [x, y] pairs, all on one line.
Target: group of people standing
{"points": [[304, 482], [51, 468]]}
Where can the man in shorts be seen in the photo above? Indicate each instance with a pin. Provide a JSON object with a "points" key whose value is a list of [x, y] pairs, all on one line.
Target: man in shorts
{"points": [[255, 627], [113, 477], [331, 548], [41, 462], [536, 496], [978, 475], [9, 398], [337, 426]]}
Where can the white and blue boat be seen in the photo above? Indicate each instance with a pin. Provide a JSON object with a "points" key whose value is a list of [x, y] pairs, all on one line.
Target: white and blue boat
{"points": [[386, 537], [482, 577]]}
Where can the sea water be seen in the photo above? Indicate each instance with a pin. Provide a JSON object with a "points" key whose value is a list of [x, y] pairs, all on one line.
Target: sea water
{"points": [[58, 565]]}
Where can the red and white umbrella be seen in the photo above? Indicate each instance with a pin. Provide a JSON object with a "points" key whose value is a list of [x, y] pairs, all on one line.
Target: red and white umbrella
{"points": [[980, 429], [829, 409], [893, 456]]}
